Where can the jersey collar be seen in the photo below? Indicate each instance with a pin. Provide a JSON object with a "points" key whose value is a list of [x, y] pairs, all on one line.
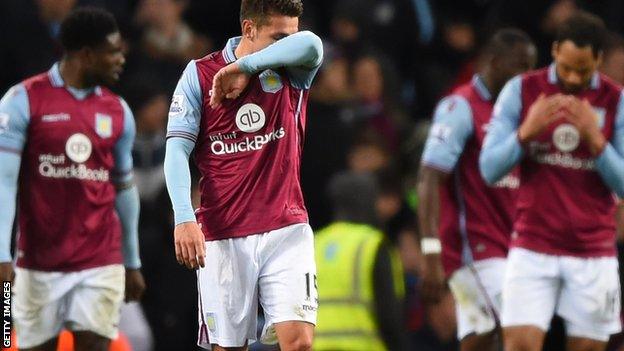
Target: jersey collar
{"points": [[553, 79], [481, 88], [57, 81], [228, 51]]}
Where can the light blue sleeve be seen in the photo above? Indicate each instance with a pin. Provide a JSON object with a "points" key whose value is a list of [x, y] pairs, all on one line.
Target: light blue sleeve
{"points": [[186, 106], [123, 149], [501, 149], [300, 53], [127, 203], [178, 178], [610, 163], [452, 126], [9, 173], [14, 119]]}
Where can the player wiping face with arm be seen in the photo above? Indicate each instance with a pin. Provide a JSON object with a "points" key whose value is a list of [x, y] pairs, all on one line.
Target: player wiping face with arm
{"points": [[299, 53]]}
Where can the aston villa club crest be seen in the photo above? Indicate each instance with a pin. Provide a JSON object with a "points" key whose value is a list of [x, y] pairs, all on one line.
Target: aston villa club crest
{"points": [[270, 81], [103, 125]]}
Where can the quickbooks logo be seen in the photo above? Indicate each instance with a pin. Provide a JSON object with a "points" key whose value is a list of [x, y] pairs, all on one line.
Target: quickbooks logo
{"points": [[255, 143], [250, 118]]}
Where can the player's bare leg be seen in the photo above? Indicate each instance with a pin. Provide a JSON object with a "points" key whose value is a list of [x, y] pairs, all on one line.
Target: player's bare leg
{"points": [[49, 345], [485, 342], [523, 338], [584, 344], [219, 348], [89, 341], [294, 335]]}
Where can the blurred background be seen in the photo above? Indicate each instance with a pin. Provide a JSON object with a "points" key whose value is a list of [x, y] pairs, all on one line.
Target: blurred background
{"points": [[387, 62]]}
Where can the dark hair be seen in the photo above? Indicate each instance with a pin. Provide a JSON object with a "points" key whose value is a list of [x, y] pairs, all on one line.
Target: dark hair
{"points": [[86, 27], [613, 42], [583, 29], [353, 196], [506, 39], [260, 10]]}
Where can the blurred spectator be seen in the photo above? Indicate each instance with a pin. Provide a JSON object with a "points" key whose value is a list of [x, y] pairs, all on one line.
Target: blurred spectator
{"points": [[613, 58], [166, 36], [395, 216], [369, 153], [539, 18], [150, 105], [330, 119], [359, 274], [375, 106], [29, 37]]}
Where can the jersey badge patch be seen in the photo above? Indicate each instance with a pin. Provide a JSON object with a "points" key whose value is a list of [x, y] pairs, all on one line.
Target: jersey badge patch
{"points": [[177, 107], [270, 81], [103, 125]]}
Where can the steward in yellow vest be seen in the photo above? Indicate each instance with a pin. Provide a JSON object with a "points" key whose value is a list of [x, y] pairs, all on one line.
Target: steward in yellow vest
{"points": [[359, 276]]}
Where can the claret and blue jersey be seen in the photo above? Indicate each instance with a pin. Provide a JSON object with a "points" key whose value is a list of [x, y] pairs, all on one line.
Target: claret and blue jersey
{"points": [[566, 199], [475, 219], [71, 148], [248, 150]]}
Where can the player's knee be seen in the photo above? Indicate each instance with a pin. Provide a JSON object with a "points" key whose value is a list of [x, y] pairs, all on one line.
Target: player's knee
{"points": [[523, 338], [300, 343], [584, 344], [482, 342]]}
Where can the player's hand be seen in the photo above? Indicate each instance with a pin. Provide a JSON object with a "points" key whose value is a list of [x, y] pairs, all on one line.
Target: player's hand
{"points": [[433, 283], [189, 245], [135, 285], [541, 114], [7, 273], [228, 83], [582, 115]]}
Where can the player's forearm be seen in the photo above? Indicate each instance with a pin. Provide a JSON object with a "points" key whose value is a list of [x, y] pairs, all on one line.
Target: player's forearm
{"points": [[302, 49], [127, 205], [178, 178], [610, 165], [9, 173], [429, 202], [498, 156]]}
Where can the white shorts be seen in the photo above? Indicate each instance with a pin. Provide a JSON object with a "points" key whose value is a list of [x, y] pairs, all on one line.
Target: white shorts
{"points": [[585, 292], [87, 300], [477, 289], [276, 268]]}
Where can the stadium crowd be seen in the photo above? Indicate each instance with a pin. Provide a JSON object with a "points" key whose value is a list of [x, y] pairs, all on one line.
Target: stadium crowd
{"points": [[387, 63]]}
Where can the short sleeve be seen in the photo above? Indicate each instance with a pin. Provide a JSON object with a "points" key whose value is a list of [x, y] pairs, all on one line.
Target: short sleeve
{"points": [[123, 148], [185, 110], [14, 119], [452, 126]]}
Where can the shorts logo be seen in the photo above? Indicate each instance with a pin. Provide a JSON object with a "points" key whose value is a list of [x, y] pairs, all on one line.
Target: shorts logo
{"points": [[78, 148], [250, 118], [4, 122], [177, 105], [211, 322], [103, 125], [566, 137], [270, 82]]}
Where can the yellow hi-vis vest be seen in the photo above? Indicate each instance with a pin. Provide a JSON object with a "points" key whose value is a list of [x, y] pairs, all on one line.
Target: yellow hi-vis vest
{"points": [[345, 257]]}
